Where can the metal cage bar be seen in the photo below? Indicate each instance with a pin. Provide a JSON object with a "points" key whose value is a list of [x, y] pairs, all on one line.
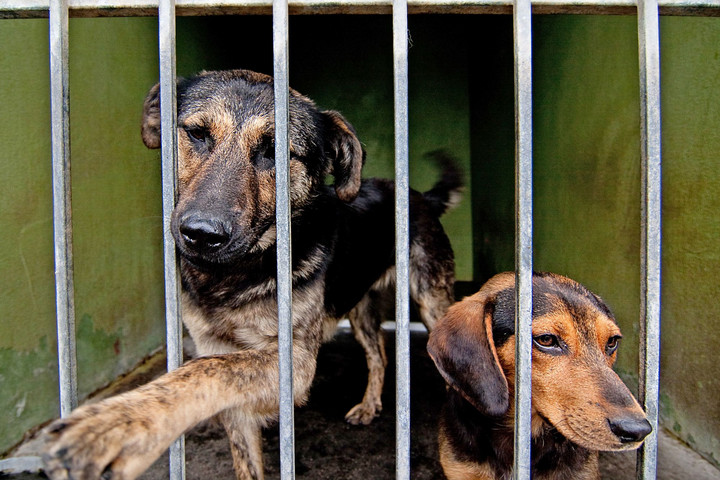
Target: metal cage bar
{"points": [[62, 211], [402, 243], [651, 233], [522, 28], [168, 126], [284, 238]]}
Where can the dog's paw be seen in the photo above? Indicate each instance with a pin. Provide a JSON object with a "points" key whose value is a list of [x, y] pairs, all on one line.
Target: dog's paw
{"points": [[363, 413], [103, 441]]}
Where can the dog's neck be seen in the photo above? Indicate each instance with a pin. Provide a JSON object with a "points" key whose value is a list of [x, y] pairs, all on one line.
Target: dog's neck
{"points": [[477, 438]]}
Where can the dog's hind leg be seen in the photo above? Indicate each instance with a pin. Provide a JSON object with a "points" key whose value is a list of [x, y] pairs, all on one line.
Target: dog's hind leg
{"points": [[432, 304], [245, 443], [432, 278], [365, 320]]}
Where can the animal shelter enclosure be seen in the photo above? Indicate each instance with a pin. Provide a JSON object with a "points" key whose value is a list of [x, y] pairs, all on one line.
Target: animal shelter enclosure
{"points": [[579, 205]]}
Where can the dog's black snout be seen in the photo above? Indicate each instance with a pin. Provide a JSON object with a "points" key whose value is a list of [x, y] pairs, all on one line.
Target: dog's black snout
{"points": [[630, 430], [206, 234]]}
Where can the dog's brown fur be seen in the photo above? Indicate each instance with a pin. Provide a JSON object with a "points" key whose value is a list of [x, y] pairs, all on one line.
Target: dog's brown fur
{"points": [[224, 227], [579, 405]]}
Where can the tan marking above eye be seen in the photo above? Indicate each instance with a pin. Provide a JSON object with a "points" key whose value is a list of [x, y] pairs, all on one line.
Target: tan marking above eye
{"points": [[559, 324], [254, 129], [606, 329], [214, 118]]}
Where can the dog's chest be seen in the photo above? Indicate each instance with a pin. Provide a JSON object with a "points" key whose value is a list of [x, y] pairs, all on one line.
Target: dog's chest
{"points": [[252, 325]]}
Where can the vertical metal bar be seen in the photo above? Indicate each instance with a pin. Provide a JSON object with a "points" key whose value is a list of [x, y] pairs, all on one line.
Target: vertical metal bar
{"points": [[62, 211], [522, 18], [168, 117], [284, 238], [402, 241], [651, 242]]}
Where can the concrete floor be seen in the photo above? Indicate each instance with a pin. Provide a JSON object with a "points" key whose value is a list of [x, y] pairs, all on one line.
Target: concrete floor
{"points": [[328, 448]]}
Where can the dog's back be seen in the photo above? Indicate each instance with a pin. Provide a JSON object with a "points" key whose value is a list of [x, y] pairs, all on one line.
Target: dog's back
{"points": [[365, 233]]}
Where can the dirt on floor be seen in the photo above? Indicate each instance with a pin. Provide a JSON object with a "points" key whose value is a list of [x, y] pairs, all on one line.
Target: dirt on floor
{"points": [[326, 447]]}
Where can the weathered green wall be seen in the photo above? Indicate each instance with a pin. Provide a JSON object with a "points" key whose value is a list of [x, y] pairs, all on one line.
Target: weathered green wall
{"points": [[588, 193], [587, 188], [116, 213]]}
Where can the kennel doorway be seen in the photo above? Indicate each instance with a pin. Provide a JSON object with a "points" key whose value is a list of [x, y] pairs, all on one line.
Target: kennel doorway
{"points": [[649, 55]]}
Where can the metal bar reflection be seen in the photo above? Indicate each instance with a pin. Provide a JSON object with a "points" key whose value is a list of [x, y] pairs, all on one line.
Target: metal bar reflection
{"points": [[284, 239], [523, 235], [402, 241], [62, 210], [168, 117], [651, 241]]}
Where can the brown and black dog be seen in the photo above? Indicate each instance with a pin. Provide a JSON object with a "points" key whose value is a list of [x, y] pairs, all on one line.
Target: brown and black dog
{"points": [[579, 405], [224, 228]]}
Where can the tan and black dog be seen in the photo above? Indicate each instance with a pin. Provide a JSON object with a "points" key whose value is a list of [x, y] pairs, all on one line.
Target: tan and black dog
{"points": [[579, 405], [224, 227]]}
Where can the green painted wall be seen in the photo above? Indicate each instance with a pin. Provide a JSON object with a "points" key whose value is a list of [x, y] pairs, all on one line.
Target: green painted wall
{"points": [[116, 213], [588, 193], [587, 188]]}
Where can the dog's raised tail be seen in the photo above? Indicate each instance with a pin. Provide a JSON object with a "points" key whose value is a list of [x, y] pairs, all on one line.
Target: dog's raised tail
{"points": [[447, 192]]}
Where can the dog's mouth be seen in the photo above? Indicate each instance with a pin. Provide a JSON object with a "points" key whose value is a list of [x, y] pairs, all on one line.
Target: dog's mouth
{"points": [[604, 434]]}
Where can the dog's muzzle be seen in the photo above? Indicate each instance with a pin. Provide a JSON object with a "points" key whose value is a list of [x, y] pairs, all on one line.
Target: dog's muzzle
{"points": [[204, 235]]}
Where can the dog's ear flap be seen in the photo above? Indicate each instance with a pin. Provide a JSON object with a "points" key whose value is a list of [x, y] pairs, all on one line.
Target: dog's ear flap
{"points": [[347, 154], [150, 129], [462, 347]]}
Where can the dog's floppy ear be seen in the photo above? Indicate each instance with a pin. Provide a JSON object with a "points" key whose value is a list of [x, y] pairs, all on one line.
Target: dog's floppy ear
{"points": [[150, 128], [347, 155], [462, 347], [151, 118]]}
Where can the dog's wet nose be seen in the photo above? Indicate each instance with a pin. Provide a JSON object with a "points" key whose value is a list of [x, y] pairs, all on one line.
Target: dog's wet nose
{"points": [[205, 234], [630, 430]]}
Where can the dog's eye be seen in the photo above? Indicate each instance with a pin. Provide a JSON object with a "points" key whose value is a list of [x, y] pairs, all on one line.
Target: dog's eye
{"points": [[546, 340], [197, 134], [547, 343], [264, 158], [612, 344]]}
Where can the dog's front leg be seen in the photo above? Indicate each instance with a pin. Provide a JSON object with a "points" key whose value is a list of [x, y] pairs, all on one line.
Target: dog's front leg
{"points": [[120, 437], [245, 438]]}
